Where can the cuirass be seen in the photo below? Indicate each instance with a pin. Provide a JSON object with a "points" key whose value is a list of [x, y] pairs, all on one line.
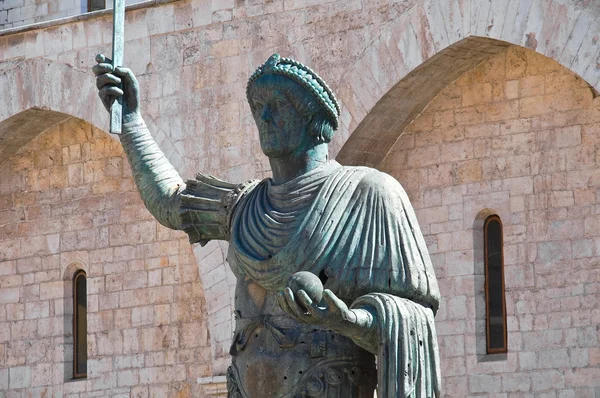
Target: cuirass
{"points": [[298, 363], [276, 356]]}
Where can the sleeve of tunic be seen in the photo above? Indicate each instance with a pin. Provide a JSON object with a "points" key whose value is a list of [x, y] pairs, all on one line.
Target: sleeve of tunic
{"points": [[201, 207], [206, 207]]}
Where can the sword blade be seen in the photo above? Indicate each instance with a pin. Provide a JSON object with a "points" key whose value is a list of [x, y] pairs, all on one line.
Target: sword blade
{"points": [[116, 110]]}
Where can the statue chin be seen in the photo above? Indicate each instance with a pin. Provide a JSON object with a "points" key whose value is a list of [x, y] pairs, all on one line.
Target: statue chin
{"points": [[274, 151]]}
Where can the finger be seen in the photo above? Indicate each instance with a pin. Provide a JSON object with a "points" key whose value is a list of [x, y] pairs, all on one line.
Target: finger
{"points": [[289, 296], [310, 306], [101, 58], [129, 80], [304, 299], [105, 79], [111, 91], [333, 303], [283, 304], [100, 69], [123, 72]]}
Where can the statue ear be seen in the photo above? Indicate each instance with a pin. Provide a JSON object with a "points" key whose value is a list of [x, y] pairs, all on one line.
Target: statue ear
{"points": [[320, 128], [313, 130]]}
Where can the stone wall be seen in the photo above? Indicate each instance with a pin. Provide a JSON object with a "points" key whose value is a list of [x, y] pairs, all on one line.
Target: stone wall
{"points": [[67, 202], [384, 59], [15, 13], [517, 136]]}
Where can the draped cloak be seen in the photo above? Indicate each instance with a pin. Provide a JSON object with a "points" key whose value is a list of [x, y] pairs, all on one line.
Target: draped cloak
{"points": [[356, 226]]}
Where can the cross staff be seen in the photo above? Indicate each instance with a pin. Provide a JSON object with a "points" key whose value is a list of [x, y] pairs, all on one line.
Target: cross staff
{"points": [[116, 110]]}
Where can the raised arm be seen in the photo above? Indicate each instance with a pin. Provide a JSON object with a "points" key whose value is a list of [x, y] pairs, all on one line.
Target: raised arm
{"points": [[157, 181]]}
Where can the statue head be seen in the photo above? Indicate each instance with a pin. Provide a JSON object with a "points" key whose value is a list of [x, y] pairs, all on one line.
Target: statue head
{"points": [[292, 106]]}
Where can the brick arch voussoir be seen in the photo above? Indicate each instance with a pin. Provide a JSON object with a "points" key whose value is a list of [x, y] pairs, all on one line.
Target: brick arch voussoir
{"points": [[432, 44]]}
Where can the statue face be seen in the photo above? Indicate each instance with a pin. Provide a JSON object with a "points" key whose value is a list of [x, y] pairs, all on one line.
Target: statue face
{"points": [[281, 128]]}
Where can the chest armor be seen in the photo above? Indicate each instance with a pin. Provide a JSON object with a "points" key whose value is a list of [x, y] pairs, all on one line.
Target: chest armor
{"points": [[275, 356]]}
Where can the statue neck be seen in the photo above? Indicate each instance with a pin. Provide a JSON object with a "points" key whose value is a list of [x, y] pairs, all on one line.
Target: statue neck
{"points": [[289, 167]]}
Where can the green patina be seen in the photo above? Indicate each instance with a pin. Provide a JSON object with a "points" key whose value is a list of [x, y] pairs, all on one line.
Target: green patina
{"points": [[352, 227]]}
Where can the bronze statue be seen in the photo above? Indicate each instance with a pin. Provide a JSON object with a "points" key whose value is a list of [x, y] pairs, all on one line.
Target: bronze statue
{"points": [[351, 227]]}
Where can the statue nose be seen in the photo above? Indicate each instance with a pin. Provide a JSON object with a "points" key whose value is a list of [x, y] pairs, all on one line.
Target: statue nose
{"points": [[266, 114]]}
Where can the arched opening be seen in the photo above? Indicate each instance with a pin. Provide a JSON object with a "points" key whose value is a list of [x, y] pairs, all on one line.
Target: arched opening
{"points": [[74, 311], [383, 125], [375, 136], [71, 216], [18, 130], [80, 349], [515, 136], [495, 301]]}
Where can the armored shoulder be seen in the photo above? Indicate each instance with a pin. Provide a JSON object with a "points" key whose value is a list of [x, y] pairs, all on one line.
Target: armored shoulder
{"points": [[207, 204]]}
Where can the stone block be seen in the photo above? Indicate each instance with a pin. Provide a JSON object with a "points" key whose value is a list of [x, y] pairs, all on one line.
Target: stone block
{"points": [[156, 339], [160, 20], [553, 359], [35, 310], [127, 378], [487, 384], [476, 94], [50, 327], [516, 383], [14, 15], [110, 343], [4, 379], [451, 346], [9, 295], [19, 377], [52, 290], [131, 341], [202, 10], [141, 316], [542, 340], [41, 375]]}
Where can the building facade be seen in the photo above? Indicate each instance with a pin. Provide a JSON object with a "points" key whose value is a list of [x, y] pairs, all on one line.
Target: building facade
{"points": [[478, 108]]}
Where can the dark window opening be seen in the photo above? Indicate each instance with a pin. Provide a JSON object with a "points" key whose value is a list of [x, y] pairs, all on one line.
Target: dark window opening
{"points": [[95, 5], [495, 302], [79, 325]]}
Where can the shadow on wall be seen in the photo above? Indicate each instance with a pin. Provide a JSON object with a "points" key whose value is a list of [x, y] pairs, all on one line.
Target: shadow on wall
{"points": [[18, 130]]}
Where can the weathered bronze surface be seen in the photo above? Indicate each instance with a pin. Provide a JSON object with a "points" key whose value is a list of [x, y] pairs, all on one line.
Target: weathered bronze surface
{"points": [[352, 227]]}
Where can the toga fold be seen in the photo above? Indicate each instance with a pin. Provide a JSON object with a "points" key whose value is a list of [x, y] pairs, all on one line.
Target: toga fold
{"points": [[353, 226]]}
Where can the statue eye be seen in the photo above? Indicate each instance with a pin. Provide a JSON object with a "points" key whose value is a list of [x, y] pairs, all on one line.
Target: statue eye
{"points": [[258, 105]]}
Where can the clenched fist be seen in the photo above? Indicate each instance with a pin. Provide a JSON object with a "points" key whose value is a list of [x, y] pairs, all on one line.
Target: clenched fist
{"points": [[115, 82]]}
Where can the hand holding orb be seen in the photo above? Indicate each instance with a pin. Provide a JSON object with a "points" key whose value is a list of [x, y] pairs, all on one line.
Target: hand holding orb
{"points": [[309, 282]]}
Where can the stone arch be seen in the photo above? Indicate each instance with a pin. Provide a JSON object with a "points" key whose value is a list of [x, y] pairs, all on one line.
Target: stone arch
{"points": [[432, 44], [72, 267], [58, 88], [18, 130]]}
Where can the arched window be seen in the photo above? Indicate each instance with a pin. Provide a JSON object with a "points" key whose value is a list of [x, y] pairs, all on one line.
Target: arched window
{"points": [[495, 302], [79, 325]]}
